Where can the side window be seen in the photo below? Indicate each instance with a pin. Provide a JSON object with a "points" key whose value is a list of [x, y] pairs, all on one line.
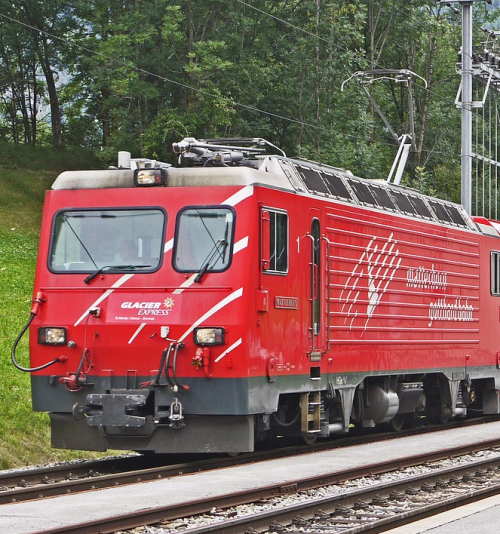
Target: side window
{"points": [[495, 273], [275, 238]]}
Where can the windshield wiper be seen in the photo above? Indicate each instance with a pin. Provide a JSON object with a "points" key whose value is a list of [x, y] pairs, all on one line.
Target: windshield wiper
{"points": [[223, 244], [91, 276], [66, 220]]}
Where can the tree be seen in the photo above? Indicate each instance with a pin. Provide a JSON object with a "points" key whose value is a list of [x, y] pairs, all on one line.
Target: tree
{"points": [[139, 74]]}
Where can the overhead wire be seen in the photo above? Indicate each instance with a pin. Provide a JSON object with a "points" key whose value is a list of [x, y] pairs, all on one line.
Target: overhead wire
{"points": [[184, 85], [163, 78], [399, 9], [202, 91]]}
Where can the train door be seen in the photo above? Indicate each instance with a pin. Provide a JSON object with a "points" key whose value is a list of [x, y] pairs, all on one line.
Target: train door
{"points": [[316, 259], [311, 404]]}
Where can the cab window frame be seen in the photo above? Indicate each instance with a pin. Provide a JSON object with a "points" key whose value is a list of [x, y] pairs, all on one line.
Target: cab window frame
{"points": [[197, 266], [112, 269], [495, 273], [279, 238]]}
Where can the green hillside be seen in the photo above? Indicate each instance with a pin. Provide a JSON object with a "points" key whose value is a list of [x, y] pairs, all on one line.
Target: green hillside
{"points": [[25, 174]]}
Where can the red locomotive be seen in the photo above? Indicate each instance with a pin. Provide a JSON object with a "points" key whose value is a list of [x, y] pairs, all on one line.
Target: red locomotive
{"points": [[211, 307]]}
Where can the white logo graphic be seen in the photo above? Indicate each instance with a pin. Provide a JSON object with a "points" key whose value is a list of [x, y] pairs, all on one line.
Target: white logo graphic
{"points": [[460, 310], [377, 266], [427, 278]]}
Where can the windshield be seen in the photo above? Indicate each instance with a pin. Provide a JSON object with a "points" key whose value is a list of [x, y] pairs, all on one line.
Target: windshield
{"points": [[204, 239], [88, 240]]}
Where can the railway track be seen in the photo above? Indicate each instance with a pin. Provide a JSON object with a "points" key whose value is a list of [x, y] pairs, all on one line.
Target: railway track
{"points": [[333, 501], [51, 481], [374, 508], [75, 477]]}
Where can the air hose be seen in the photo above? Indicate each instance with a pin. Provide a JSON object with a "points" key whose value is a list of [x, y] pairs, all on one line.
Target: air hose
{"points": [[38, 300]]}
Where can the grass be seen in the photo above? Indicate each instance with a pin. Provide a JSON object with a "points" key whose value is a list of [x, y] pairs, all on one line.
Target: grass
{"points": [[25, 174]]}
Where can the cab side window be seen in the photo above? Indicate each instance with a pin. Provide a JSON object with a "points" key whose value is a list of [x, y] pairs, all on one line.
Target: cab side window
{"points": [[495, 273], [275, 235]]}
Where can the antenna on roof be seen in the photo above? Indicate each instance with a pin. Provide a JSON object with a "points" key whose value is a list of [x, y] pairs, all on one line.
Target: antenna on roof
{"points": [[126, 161]]}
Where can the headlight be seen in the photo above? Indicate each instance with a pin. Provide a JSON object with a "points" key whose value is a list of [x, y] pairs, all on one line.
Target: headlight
{"points": [[51, 335], [150, 177], [209, 336]]}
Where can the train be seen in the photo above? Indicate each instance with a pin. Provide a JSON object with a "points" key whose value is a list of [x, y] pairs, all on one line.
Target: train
{"points": [[240, 296]]}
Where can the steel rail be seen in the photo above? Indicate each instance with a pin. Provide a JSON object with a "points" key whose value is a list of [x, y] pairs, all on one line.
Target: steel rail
{"points": [[192, 508], [287, 515], [51, 481]]}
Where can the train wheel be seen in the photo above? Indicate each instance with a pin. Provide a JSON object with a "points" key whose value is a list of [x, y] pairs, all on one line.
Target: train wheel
{"points": [[397, 422], [438, 403], [443, 417], [414, 420], [308, 439]]}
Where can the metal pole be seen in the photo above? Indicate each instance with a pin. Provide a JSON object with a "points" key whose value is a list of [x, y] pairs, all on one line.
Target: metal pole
{"points": [[466, 157]]}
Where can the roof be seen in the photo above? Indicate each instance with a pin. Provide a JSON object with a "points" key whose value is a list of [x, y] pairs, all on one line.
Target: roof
{"points": [[298, 176]]}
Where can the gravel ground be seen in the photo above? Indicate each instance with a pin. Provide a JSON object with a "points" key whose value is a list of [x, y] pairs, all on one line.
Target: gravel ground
{"points": [[216, 516]]}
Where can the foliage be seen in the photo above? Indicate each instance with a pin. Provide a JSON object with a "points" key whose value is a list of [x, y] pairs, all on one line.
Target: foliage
{"points": [[138, 75], [23, 180], [25, 434]]}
